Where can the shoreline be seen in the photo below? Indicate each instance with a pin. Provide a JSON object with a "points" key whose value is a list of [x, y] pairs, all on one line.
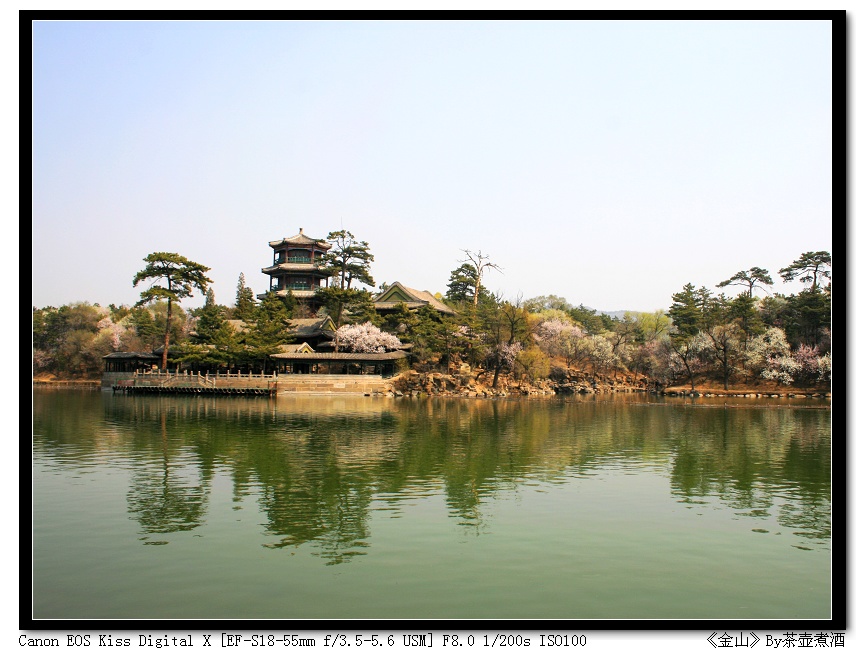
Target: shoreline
{"points": [[436, 385]]}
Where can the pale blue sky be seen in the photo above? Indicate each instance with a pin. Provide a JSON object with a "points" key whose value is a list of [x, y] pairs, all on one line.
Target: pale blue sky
{"points": [[606, 162]]}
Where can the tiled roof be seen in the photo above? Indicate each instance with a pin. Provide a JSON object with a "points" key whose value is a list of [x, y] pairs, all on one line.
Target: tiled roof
{"points": [[311, 326], [300, 239], [421, 297], [132, 355], [340, 356], [295, 348], [238, 325]]}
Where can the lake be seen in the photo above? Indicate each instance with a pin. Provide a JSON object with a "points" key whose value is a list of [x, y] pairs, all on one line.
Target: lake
{"points": [[317, 507]]}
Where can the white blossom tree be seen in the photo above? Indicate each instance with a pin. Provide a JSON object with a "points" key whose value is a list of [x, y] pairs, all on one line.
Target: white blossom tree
{"points": [[366, 337], [559, 338], [600, 352], [783, 370], [684, 354], [761, 350]]}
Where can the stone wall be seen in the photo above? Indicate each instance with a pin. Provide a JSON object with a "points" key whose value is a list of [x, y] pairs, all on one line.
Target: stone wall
{"points": [[313, 384], [326, 384], [109, 379]]}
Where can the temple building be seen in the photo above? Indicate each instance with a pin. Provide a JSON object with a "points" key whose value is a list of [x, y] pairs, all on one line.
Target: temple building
{"points": [[389, 300], [298, 267]]}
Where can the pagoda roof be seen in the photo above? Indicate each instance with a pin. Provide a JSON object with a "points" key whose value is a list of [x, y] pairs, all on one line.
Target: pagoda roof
{"points": [[413, 299], [301, 240]]}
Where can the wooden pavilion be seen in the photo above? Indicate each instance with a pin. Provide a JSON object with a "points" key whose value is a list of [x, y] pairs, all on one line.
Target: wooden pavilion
{"points": [[298, 267], [302, 362]]}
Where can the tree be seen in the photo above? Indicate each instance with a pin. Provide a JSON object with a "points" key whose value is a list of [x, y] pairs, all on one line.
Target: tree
{"points": [[685, 313], [271, 327], [559, 338], [810, 267], [401, 320], [652, 327], [432, 333], [244, 305], [350, 304], [532, 364], [684, 354], [210, 319], [763, 351], [348, 259], [750, 279], [774, 310], [366, 337], [723, 344], [505, 327], [180, 275], [812, 312], [599, 352], [544, 303], [462, 284], [591, 321], [479, 263], [742, 310]]}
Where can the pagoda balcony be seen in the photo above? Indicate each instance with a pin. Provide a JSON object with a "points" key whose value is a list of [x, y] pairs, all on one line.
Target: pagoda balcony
{"points": [[305, 292], [306, 266], [300, 260]]}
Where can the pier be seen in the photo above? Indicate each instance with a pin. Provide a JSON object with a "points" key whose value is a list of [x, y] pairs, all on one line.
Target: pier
{"points": [[159, 382]]}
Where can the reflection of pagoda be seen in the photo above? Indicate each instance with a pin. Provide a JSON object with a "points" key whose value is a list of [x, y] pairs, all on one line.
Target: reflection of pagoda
{"points": [[298, 266]]}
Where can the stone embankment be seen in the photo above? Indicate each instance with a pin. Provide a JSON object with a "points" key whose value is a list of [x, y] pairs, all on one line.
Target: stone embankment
{"points": [[755, 393], [474, 383], [79, 384]]}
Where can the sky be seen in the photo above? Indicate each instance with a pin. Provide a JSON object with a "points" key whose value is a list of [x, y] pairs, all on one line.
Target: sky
{"points": [[606, 162]]}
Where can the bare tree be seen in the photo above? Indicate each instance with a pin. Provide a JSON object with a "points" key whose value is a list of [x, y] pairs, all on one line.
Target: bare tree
{"points": [[481, 263]]}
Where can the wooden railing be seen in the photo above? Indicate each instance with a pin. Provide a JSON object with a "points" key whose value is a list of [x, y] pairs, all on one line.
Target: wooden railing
{"points": [[208, 379]]}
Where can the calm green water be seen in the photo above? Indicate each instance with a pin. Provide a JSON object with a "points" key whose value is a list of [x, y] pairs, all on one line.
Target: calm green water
{"points": [[343, 507]]}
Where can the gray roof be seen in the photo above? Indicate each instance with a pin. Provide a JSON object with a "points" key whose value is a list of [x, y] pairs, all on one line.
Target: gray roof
{"points": [[238, 325], [340, 356], [421, 298], [306, 327], [132, 355], [301, 240]]}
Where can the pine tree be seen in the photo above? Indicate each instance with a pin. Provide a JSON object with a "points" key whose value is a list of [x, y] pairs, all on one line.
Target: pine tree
{"points": [[244, 305], [180, 275], [685, 312]]}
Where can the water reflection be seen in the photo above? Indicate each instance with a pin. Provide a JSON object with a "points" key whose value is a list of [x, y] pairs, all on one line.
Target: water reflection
{"points": [[163, 497], [317, 467]]}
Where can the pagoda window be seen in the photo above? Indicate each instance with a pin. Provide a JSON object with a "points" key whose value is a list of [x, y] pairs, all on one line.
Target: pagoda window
{"points": [[301, 283], [299, 256]]}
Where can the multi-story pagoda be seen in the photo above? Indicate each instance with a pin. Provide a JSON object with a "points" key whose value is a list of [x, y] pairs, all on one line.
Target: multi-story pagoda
{"points": [[298, 266]]}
